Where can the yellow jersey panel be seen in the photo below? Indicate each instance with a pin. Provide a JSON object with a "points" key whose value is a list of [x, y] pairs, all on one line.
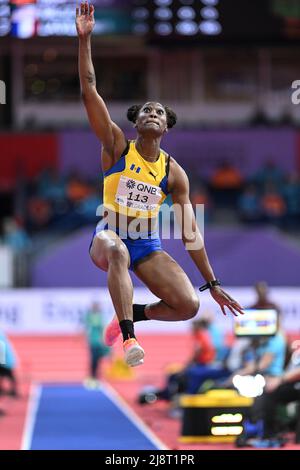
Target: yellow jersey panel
{"points": [[135, 187]]}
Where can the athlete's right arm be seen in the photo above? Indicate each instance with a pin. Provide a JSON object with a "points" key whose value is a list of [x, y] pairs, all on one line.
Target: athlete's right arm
{"points": [[110, 135]]}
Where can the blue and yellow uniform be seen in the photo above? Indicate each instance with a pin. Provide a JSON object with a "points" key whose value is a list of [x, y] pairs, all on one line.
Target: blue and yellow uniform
{"points": [[135, 188]]}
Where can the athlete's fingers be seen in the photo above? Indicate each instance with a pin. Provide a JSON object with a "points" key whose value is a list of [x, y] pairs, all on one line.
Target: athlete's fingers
{"points": [[223, 309], [237, 308], [82, 8], [86, 8], [225, 295], [77, 10], [232, 310], [92, 9], [229, 301], [235, 305], [233, 300], [230, 298], [239, 312]]}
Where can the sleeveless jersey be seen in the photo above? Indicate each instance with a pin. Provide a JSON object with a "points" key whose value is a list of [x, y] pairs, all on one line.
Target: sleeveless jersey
{"points": [[135, 187]]}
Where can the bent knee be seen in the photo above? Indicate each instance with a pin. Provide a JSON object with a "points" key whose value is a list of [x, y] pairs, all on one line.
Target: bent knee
{"points": [[103, 254], [192, 307], [98, 259], [188, 308], [117, 253]]}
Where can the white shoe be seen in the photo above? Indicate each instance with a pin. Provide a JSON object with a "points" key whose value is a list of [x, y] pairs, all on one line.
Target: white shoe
{"points": [[134, 353]]}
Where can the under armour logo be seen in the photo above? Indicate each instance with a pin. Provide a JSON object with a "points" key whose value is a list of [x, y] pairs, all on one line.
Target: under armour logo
{"points": [[150, 173]]}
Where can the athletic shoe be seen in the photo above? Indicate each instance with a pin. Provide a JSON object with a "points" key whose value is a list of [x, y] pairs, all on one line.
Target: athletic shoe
{"points": [[134, 354], [112, 332]]}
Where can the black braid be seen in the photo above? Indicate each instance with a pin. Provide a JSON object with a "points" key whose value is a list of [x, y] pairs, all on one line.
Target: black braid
{"points": [[133, 112], [171, 117]]}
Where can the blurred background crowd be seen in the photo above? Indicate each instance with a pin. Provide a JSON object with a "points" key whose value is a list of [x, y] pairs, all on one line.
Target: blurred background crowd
{"points": [[228, 69]]}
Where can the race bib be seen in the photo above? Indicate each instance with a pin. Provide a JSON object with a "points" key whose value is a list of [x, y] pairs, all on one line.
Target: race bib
{"points": [[137, 195]]}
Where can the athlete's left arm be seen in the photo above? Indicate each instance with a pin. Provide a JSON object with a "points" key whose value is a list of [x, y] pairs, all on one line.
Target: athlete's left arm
{"points": [[191, 236]]}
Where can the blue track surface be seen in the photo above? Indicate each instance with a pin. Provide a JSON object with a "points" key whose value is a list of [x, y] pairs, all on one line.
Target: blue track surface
{"points": [[71, 417]]}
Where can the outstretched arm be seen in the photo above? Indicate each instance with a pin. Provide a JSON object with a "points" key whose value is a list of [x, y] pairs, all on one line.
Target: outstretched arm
{"points": [[110, 135], [192, 237]]}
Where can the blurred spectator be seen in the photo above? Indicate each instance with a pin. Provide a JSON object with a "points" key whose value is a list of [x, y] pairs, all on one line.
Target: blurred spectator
{"points": [[200, 196], [269, 173], [94, 327], [200, 368], [291, 194], [265, 356], [266, 406], [273, 205], [262, 299], [7, 366], [15, 235], [204, 351], [226, 176], [226, 184], [39, 213], [87, 208], [51, 185], [249, 205], [77, 189], [216, 335], [237, 354]]}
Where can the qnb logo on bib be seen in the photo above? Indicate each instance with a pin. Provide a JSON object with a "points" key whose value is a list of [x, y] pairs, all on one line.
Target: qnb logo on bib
{"points": [[137, 195]]}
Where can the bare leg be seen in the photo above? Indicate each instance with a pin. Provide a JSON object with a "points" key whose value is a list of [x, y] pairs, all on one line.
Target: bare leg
{"points": [[165, 278], [110, 254]]}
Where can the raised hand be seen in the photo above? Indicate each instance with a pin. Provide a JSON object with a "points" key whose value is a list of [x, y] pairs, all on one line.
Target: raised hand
{"points": [[85, 21], [224, 300]]}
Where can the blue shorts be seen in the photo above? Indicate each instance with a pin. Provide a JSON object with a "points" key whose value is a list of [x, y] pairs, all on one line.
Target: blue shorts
{"points": [[138, 248]]}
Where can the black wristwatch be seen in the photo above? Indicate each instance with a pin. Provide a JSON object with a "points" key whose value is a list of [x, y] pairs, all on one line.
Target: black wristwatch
{"points": [[210, 284]]}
